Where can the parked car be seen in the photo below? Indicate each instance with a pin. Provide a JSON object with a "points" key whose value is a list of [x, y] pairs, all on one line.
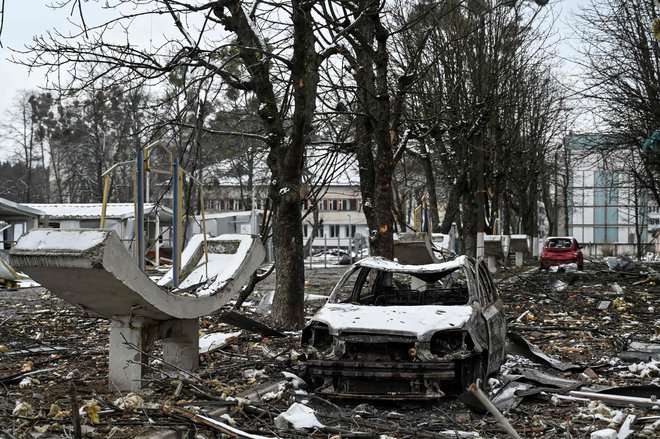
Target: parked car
{"points": [[561, 250], [398, 331]]}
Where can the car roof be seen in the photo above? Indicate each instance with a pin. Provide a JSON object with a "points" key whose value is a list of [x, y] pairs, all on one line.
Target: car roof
{"points": [[383, 264], [558, 237]]}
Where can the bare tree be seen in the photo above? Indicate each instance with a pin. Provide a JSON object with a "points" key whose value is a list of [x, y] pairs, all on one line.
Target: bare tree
{"points": [[280, 71], [486, 113], [625, 88], [23, 131]]}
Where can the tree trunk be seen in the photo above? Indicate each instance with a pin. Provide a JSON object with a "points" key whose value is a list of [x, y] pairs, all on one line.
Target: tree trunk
{"points": [[452, 208], [287, 166], [431, 188]]}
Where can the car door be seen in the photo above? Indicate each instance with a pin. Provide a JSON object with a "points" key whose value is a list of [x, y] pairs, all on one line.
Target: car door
{"points": [[493, 313]]}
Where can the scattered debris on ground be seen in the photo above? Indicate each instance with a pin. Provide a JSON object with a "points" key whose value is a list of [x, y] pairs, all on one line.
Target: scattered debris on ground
{"points": [[591, 369]]}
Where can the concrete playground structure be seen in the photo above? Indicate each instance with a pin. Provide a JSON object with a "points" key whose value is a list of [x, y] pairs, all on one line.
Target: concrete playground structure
{"points": [[496, 247], [92, 269], [520, 244]]}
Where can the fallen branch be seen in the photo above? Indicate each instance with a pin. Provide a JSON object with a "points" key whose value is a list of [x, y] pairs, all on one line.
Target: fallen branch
{"points": [[499, 417], [219, 426]]}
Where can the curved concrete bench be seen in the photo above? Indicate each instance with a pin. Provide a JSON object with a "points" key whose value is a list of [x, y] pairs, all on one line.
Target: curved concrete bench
{"points": [[91, 268]]}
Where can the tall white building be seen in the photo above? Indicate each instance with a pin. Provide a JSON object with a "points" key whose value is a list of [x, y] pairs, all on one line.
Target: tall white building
{"points": [[607, 210]]}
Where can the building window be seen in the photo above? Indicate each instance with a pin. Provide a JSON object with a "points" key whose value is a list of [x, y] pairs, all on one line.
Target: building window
{"points": [[334, 231], [350, 231], [604, 235]]}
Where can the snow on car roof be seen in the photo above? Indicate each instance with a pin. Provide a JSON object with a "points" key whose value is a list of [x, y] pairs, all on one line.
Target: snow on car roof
{"points": [[383, 264]]}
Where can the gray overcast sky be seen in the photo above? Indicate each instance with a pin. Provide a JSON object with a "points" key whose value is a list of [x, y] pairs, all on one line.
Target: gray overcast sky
{"points": [[27, 18]]}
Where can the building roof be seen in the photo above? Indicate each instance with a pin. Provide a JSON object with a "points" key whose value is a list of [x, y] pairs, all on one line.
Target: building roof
{"points": [[93, 210], [10, 208]]}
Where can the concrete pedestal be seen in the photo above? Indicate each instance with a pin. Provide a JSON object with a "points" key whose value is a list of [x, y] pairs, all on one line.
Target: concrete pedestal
{"points": [[492, 264], [181, 344], [520, 256], [129, 341]]}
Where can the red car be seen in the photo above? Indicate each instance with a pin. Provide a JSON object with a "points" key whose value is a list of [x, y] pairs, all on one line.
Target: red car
{"points": [[560, 250]]}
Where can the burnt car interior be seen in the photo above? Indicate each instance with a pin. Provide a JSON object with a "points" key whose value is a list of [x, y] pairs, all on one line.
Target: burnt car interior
{"points": [[375, 287]]}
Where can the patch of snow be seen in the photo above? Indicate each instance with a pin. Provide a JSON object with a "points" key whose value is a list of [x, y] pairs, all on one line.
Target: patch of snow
{"points": [[27, 382], [191, 248], [646, 370], [284, 190], [408, 320], [254, 373], [61, 240], [221, 267], [89, 210], [209, 342], [295, 380], [598, 410], [650, 430], [299, 417], [129, 402], [389, 265], [229, 419], [608, 433]]}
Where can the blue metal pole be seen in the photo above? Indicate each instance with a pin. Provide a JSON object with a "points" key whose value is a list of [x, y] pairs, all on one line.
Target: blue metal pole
{"points": [[175, 222], [139, 200]]}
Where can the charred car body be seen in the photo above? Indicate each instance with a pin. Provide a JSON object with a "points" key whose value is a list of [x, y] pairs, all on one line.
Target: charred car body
{"points": [[406, 331]]}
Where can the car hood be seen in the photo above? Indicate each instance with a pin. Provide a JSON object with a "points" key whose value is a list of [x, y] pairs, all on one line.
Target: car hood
{"points": [[401, 320]]}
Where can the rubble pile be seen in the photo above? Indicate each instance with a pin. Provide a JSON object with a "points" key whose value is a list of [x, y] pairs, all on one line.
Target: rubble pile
{"points": [[583, 361]]}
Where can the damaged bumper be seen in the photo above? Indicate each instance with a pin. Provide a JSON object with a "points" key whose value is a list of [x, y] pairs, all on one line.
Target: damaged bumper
{"points": [[380, 380]]}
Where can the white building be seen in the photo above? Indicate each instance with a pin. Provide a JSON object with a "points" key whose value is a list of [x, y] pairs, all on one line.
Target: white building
{"points": [[119, 217], [333, 178], [606, 209], [16, 219]]}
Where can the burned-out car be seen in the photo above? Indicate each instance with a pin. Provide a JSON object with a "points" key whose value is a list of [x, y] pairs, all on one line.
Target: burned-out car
{"points": [[396, 331]]}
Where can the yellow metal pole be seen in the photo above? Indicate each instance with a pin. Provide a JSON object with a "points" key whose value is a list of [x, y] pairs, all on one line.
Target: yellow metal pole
{"points": [[417, 217], [106, 187]]}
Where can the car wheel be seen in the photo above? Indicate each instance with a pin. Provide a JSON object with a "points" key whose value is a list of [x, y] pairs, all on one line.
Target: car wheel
{"points": [[473, 368]]}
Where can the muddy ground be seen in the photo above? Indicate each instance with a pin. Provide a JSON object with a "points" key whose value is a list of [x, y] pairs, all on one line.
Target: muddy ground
{"points": [[49, 348]]}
